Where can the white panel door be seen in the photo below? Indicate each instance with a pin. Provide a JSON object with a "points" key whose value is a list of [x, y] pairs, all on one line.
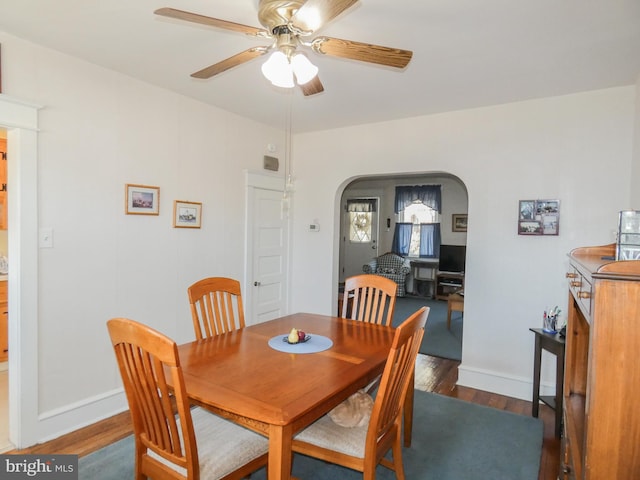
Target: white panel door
{"points": [[268, 256]]}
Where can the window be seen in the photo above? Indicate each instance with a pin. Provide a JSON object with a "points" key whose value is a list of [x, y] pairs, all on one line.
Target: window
{"points": [[360, 227], [416, 214], [417, 230]]}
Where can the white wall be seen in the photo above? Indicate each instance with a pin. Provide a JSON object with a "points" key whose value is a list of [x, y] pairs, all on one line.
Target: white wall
{"points": [[576, 148], [98, 131]]}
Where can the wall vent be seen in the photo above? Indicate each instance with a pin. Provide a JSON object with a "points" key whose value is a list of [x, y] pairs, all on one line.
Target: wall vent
{"points": [[271, 163]]}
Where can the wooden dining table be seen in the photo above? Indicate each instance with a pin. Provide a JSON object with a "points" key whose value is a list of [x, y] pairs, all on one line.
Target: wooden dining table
{"points": [[239, 376]]}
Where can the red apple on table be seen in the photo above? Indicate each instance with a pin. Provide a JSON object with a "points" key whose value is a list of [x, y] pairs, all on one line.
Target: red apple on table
{"points": [[301, 336]]}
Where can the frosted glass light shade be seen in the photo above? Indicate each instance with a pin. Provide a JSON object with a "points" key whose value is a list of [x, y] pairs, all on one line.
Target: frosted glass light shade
{"points": [[303, 68], [278, 70]]}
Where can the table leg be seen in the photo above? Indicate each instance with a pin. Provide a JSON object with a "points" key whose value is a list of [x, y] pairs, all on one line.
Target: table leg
{"points": [[537, 359], [559, 392], [408, 412], [280, 454]]}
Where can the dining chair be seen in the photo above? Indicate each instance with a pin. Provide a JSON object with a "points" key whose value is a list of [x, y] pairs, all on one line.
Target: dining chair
{"points": [[216, 306], [173, 441], [369, 298], [363, 448]]}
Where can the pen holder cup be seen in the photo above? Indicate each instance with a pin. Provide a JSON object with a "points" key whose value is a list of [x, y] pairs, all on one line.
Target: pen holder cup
{"points": [[549, 324]]}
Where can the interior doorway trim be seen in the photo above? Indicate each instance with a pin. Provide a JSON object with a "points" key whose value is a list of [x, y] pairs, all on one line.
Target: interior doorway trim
{"points": [[20, 118]]}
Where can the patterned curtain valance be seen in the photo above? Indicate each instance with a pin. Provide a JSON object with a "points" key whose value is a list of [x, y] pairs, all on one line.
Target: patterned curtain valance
{"points": [[362, 205], [430, 195]]}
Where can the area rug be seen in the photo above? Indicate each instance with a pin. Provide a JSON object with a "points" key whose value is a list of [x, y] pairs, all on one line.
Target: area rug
{"points": [[438, 340], [452, 440]]}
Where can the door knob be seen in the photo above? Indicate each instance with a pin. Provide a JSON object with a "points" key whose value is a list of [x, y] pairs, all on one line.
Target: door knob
{"points": [[256, 284]]}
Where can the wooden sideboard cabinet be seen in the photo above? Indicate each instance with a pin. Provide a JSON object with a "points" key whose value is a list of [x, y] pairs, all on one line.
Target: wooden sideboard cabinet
{"points": [[602, 367]]}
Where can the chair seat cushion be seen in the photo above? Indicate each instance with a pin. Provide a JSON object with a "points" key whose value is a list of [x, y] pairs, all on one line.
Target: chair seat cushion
{"points": [[386, 270], [223, 446], [325, 433]]}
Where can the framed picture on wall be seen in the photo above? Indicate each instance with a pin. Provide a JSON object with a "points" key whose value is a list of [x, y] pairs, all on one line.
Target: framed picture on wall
{"points": [[187, 214], [459, 222], [142, 199], [538, 217]]}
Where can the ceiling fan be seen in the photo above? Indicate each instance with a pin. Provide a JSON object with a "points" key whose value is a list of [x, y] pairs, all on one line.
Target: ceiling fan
{"points": [[290, 23]]}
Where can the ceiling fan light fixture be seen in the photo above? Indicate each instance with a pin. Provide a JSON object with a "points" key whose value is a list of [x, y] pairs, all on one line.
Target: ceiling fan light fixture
{"points": [[303, 68], [278, 70], [289, 25]]}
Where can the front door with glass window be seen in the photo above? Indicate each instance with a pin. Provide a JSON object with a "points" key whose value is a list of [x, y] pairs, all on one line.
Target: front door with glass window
{"points": [[359, 235]]}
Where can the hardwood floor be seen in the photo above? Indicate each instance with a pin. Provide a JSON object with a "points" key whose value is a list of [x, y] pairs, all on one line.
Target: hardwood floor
{"points": [[433, 374]]}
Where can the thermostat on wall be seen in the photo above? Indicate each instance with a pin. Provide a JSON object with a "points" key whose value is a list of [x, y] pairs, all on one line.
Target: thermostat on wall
{"points": [[314, 227]]}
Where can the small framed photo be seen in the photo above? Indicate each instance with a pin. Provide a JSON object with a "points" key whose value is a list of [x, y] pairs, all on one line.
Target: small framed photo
{"points": [[142, 199], [539, 217], [527, 209], [529, 227], [187, 214], [459, 222]]}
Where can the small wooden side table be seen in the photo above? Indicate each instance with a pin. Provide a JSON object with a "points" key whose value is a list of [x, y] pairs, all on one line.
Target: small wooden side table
{"points": [[455, 303], [555, 344]]}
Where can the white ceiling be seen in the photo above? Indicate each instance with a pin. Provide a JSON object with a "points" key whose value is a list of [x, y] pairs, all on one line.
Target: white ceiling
{"points": [[467, 53]]}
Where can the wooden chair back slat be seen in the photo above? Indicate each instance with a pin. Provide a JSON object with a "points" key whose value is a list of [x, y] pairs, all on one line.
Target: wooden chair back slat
{"points": [[216, 306], [369, 298]]}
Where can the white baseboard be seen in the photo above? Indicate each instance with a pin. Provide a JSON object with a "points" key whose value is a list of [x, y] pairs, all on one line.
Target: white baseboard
{"points": [[54, 423], [509, 385]]}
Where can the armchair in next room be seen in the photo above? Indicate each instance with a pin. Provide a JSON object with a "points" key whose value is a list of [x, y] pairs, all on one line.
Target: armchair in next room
{"points": [[391, 266]]}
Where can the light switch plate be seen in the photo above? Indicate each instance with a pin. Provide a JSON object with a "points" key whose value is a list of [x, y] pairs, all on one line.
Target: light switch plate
{"points": [[46, 238]]}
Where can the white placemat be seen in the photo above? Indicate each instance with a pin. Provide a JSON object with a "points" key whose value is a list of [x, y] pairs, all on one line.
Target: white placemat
{"points": [[317, 343]]}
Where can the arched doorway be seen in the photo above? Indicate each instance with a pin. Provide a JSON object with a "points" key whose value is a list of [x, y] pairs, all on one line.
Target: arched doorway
{"points": [[447, 342]]}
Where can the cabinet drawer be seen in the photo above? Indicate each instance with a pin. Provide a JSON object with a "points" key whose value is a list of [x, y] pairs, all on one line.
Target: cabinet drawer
{"points": [[584, 296], [581, 290], [3, 291]]}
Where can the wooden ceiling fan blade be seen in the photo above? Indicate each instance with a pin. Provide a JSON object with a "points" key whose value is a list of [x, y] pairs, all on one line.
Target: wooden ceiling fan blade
{"points": [[312, 87], [316, 13], [230, 62], [212, 22], [364, 52]]}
